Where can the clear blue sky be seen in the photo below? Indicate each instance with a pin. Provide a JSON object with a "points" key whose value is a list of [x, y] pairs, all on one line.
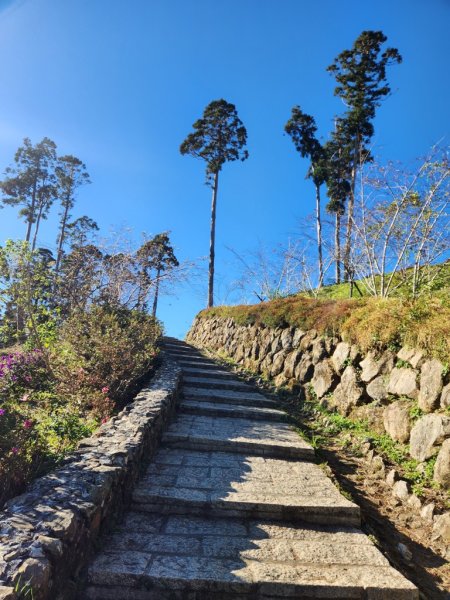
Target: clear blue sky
{"points": [[119, 85]]}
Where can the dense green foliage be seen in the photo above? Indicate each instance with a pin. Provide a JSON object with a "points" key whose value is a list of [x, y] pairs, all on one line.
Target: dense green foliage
{"points": [[218, 137]]}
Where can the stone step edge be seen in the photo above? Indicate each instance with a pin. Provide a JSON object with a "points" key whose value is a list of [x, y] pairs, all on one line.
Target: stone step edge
{"points": [[173, 440], [217, 384], [196, 361], [264, 403], [319, 589], [210, 374], [219, 409], [344, 516]]}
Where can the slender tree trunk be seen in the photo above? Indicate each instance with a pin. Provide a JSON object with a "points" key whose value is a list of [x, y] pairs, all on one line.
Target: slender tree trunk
{"points": [[348, 235], [155, 299], [36, 229], [337, 246], [32, 209], [319, 235], [61, 236], [415, 279], [350, 211], [212, 241], [18, 323]]}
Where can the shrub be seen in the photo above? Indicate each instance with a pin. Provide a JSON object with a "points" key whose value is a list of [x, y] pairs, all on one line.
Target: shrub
{"points": [[20, 371], [102, 353], [49, 400]]}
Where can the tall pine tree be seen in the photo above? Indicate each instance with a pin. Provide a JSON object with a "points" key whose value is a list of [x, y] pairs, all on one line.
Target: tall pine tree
{"points": [[71, 174], [301, 127], [30, 183], [362, 85], [218, 137]]}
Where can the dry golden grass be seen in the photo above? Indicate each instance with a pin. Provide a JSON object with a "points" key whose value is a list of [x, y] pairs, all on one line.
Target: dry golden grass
{"points": [[371, 323]]}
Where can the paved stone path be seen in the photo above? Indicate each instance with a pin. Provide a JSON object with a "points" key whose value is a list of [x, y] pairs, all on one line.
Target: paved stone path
{"points": [[234, 507]]}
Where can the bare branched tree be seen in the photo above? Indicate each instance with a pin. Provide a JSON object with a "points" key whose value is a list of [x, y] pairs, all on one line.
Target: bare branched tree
{"points": [[402, 225], [267, 274]]}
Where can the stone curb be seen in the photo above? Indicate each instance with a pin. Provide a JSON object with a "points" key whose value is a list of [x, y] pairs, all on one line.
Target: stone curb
{"points": [[48, 533]]}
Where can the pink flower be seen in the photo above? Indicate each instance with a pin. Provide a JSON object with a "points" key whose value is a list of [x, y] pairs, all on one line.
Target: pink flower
{"points": [[105, 389], [104, 420], [15, 450], [2, 412], [27, 424], [25, 398]]}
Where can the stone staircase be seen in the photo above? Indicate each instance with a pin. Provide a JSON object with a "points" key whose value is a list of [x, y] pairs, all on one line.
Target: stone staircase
{"points": [[234, 507]]}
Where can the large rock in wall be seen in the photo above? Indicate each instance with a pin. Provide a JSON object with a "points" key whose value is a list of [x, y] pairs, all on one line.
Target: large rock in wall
{"points": [[394, 389], [349, 392], [397, 420]]}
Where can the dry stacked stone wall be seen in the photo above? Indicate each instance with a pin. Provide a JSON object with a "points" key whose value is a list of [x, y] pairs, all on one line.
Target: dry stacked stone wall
{"points": [[404, 393], [48, 533]]}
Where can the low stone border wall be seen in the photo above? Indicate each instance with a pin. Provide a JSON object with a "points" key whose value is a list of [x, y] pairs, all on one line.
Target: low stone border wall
{"points": [[48, 533]]}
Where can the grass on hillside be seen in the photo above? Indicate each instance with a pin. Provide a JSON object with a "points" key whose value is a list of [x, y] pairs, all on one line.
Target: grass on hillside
{"points": [[371, 323], [437, 276]]}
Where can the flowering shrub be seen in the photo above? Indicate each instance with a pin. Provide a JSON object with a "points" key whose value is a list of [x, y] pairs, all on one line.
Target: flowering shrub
{"points": [[49, 401], [21, 371], [20, 446], [103, 352]]}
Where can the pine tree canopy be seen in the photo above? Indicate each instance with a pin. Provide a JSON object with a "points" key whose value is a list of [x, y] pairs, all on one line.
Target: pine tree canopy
{"points": [[218, 137]]}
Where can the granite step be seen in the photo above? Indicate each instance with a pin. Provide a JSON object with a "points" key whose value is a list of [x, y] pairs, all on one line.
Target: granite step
{"points": [[152, 556], [217, 373], [200, 363], [247, 398], [187, 356], [195, 407], [183, 352], [176, 344], [212, 383], [260, 438], [184, 481]]}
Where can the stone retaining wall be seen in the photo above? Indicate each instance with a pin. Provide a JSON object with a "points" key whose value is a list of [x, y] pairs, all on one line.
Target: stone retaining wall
{"points": [[48, 533], [402, 393]]}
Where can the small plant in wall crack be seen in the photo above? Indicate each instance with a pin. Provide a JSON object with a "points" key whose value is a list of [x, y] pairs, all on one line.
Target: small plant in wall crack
{"points": [[24, 591], [415, 412], [402, 364], [348, 362]]}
